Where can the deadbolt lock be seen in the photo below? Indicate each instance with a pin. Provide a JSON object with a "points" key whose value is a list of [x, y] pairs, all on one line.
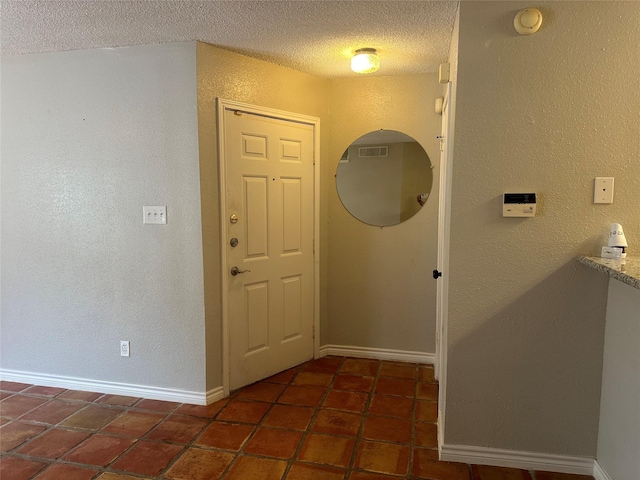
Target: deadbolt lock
{"points": [[233, 242], [233, 218]]}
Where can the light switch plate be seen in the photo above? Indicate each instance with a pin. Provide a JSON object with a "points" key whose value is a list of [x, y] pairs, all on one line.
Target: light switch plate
{"points": [[154, 214], [603, 190]]}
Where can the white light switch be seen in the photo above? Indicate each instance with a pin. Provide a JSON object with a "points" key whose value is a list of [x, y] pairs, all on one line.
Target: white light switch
{"points": [[603, 190], [154, 214]]}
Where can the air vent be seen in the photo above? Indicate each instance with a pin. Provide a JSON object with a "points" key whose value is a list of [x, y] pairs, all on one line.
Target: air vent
{"points": [[381, 151]]}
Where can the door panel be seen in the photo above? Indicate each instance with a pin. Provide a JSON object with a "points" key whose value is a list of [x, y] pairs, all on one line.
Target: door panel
{"points": [[269, 186]]}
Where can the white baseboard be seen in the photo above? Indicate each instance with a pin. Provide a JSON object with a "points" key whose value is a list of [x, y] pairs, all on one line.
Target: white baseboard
{"points": [[377, 353], [87, 385], [517, 459], [214, 395], [599, 473]]}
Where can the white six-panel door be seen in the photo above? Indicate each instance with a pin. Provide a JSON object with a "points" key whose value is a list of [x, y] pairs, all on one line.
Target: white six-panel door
{"points": [[269, 202]]}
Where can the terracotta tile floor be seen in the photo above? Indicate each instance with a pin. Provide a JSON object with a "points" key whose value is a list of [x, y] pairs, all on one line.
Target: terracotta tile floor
{"points": [[329, 419]]}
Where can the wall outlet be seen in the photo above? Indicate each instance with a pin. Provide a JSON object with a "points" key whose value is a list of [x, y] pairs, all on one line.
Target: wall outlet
{"points": [[154, 214], [603, 190], [124, 348]]}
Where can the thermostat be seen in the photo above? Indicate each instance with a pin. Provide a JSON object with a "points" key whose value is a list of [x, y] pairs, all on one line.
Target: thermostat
{"points": [[519, 205]]}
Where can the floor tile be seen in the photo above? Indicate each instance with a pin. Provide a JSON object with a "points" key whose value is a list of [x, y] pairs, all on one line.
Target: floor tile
{"points": [[334, 422], [344, 400], [53, 443], [178, 429], [327, 450], [116, 476], [301, 471], [560, 476], [147, 458], [360, 366], [392, 386], [66, 472], [353, 383], [313, 379], [486, 472], [19, 468], [426, 435], [426, 411], [251, 468], [370, 476], [272, 442], [390, 406], [133, 423], [17, 405], [205, 411], [288, 416], [387, 429], [120, 400], [427, 391], [404, 371], [283, 377], [92, 417], [16, 433], [80, 396], [425, 466], [383, 458], [262, 392], [333, 418], [302, 396], [52, 412], [44, 391], [227, 436], [426, 374], [13, 386], [243, 411], [198, 464], [157, 406], [323, 365], [99, 450]]}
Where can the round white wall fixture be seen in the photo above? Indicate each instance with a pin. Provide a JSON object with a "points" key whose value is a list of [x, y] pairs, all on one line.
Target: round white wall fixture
{"points": [[528, 21]]}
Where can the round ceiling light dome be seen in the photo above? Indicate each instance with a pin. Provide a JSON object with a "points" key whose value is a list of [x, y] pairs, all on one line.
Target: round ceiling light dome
{"points": [[365, 60]]}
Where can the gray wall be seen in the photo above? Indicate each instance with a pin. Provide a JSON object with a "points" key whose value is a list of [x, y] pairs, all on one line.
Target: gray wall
{"points": [[88, 138], [619, 426], [545, 113], [380, 290]]}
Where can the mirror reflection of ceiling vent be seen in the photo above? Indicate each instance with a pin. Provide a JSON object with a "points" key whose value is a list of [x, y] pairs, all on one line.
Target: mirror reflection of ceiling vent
{"points": [[380, 151]]}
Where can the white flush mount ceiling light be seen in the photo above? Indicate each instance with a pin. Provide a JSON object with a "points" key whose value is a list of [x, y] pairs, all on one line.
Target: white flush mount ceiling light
{"points": [[527, 21], [365, 60]]}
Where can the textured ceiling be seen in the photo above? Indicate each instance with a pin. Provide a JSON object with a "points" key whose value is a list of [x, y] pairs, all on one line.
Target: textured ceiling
{"points": [[314, 36]]}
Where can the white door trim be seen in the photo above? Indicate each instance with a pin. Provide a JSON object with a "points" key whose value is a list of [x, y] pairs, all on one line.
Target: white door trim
{"points": [[223, 105], [442, 288]]}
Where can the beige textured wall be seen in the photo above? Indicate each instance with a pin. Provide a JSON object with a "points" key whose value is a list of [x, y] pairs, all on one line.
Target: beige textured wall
{"points": [[231, 76], [545, 113], [380, 290]]}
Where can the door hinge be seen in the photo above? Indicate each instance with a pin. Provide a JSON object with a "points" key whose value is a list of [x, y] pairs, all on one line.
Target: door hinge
{"points": [[313, 243], [313, 332], [437, 337]]}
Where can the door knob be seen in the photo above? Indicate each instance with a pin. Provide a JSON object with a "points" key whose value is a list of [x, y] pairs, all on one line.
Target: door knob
{"points": [[235, 271]]}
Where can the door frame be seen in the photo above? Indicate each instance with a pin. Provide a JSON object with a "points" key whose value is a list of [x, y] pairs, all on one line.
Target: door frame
{"points": [[222, 106], [444, 228]]}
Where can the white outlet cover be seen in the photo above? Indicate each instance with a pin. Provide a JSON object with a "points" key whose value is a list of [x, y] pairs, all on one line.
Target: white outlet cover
{"points": [[154, 214], [603, 190]]}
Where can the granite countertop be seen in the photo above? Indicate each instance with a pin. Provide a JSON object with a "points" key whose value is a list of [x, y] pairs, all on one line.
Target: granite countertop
{"points": [[627, 272]]}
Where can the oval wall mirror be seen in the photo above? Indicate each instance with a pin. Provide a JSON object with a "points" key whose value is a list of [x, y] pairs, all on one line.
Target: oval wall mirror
{"points": [[384, 178]]}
